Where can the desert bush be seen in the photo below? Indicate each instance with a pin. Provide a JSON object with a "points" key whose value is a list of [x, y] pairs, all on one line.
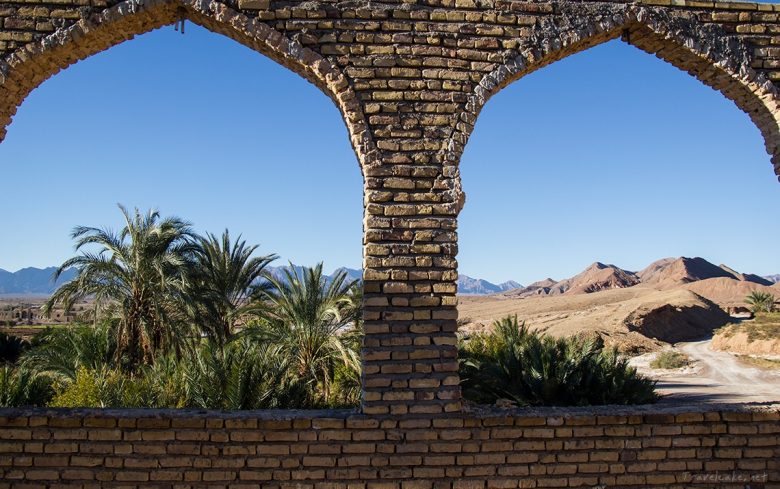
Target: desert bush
{"points": [[764, 326], [669, 359], [533, 369]]}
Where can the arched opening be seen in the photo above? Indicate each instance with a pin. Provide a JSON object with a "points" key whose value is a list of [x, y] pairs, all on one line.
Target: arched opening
{"points": [[616, 157], [36, 61], [716, 59], [150, 130], [257, 149]]}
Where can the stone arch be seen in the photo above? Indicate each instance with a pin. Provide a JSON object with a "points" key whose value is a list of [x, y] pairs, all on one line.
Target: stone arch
{"points": [[29, 66], [717, 59]]}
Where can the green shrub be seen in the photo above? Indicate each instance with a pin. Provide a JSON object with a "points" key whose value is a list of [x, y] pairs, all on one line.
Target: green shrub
{"points": [[163, 384], [533, 369], [101, 388], [669, 359]]}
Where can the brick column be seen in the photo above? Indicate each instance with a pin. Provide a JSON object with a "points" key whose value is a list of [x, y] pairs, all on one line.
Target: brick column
{"points": [[410, 272]]}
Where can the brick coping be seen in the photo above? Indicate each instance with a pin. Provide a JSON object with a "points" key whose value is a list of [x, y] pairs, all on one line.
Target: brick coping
{"points": [[478, 412]]}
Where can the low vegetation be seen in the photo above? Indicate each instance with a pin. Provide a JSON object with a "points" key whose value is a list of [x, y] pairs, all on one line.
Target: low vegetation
{"points": [[764, 326], [670, 359], [760, 362], [529, 368]]}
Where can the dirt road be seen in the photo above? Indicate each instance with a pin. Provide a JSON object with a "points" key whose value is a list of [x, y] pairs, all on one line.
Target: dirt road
{"points": [[718, 377]]}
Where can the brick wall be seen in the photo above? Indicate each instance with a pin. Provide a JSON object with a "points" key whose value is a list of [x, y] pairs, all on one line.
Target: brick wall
{"points": [[649, 446]]}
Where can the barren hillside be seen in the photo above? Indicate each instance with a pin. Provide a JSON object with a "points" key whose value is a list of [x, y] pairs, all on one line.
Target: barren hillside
{"points": [[727, 292], [669, 272], [671, 300], [636, 319]]}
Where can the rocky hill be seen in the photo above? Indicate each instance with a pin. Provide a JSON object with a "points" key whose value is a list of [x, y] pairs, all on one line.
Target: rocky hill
{"points": [[662, 274], [727, 292], [675, 271], [595, 278]]}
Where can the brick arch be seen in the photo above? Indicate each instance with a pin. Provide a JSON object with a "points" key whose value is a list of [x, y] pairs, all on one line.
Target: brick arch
{"points": [[717, 59], [32, 64]]}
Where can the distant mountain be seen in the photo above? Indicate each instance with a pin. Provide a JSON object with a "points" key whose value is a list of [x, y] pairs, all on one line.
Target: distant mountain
{"points": [[352, 274], [478, 286], [542, 287], [747, 277], [466, 284], [32, 280], [510, 285], [773, 278]]}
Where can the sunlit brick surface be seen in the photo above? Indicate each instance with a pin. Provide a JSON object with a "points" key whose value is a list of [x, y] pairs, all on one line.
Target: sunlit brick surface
{"points": [[557, 448]]}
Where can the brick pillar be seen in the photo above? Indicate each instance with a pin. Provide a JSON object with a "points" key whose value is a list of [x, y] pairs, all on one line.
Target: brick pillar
{"points": [[410, 272]]}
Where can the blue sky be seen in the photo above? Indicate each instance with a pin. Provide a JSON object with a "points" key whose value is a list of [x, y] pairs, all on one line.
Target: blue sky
{"points": [[609, 155]]}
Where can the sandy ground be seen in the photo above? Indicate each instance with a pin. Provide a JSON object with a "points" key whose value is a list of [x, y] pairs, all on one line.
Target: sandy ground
{"points": [[713, 376]]}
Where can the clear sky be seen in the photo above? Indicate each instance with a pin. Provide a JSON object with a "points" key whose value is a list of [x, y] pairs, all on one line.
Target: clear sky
{"points": [[609, 155]]}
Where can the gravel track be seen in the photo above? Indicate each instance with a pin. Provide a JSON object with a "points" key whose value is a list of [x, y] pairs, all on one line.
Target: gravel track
{"points": [[720, 377]]}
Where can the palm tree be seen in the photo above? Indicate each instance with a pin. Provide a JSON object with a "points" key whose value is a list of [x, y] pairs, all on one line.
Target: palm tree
{"points": [[20, 387], [760, 301], [59, 353], [226, 276], [310, 318], [11, 348], [140, 274]]}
